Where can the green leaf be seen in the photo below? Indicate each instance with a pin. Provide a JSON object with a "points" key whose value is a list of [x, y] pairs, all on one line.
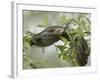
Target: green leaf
{"points": [[75, 63], [80, 31], [67, 58], [28, 33], [64, 40], [61, 47], [27, 38], [84, 22], [73, 54], [60, 55]]}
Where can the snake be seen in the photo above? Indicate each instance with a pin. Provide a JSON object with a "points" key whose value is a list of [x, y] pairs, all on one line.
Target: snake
{"points": [[51, 35]]}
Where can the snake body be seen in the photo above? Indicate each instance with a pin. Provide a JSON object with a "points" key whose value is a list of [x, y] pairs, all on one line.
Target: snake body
{"points": [[47, 37], [83, 51]]}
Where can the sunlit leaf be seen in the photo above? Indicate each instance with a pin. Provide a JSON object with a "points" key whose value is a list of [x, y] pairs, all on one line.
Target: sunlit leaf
{"points": [[61, 47], [84, 22], [28, 33], [64, 40]]}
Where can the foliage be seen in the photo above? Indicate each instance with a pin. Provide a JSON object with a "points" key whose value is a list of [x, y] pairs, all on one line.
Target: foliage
{"points": [[70, 53], [67, 53], [27, 39]]}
